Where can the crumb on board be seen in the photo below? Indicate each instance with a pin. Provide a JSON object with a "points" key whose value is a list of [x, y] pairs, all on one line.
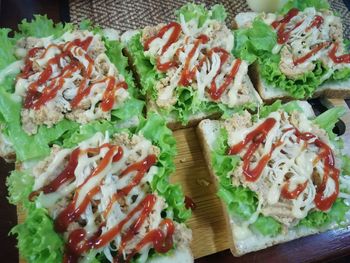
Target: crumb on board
{"points": [[203, 182]]}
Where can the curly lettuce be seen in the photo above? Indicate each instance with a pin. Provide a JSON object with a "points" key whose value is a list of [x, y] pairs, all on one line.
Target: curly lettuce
{"points": [[37, 239], [302, 4], [19, 185], [7, 55], [154, 129], [251, 43], [41, 26], [319, 219], [201, 13]]}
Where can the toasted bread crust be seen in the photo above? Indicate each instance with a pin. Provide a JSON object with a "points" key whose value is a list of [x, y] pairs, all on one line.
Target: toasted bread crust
{"points": [[207, 156]]}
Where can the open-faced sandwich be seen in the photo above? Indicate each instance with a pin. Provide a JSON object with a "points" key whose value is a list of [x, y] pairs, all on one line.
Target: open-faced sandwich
{"points": [[280, 174], [186, 69], [106, 199], [300, 52], [54, 78]]}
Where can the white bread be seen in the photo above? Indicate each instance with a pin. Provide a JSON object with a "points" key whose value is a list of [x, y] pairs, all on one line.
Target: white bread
{"points": [[244, 240], [180, 254], [268, 93]]}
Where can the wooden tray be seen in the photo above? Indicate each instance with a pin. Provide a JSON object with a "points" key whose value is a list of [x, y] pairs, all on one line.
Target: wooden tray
{"points": [[207, 222]]}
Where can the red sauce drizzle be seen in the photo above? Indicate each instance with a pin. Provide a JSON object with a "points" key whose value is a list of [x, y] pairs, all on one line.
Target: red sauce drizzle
{"points": [[187, 75], [72, 212], [109, 94], [189, 203], [292, 194], [317, 22], [162, 242], [35, 99], [338, 59], [65, 176], [326, 155], [282, 34], [215, 93], [28, 65], [258, 136], [141, 168], [254, 139], [176, 27], [314, 50]]}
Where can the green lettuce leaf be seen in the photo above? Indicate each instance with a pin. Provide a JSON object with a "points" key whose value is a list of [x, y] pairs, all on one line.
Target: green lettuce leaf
{"points": [[199, 11], [341, 74], [115, 54], [41, 26], [145, 69], [240, 201], [130, 108], [6, 48], [19, 185], [302, 4], [289, 107], [346, 165], [318, 219], [252, 42], [87, 131], [154, 129], [26, 146], [267, 226], [328, 119], [301, 87], [37, 240]]}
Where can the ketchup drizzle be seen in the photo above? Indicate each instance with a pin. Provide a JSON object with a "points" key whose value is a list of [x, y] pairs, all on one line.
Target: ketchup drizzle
{"points": [[282, 35], [314, 50], [78, 243], [215, 93], [74, 210], [187, 74], [176, 27], [36, 99], [258, 136], [338, 59]]}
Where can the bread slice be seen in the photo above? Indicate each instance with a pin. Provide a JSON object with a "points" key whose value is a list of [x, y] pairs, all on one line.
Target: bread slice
{"points": [[269, 93], [244, 241], [180, 254]]}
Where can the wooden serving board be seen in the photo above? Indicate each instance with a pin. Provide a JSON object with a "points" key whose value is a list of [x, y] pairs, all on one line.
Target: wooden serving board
{"points": [[207, 222]]}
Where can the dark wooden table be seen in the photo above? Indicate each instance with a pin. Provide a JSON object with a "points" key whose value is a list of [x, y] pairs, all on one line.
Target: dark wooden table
{"points": [[333, 246]]}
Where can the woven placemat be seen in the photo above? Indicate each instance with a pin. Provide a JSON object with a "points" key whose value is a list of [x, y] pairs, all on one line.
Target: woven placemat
{"points": [[125, 15]]}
